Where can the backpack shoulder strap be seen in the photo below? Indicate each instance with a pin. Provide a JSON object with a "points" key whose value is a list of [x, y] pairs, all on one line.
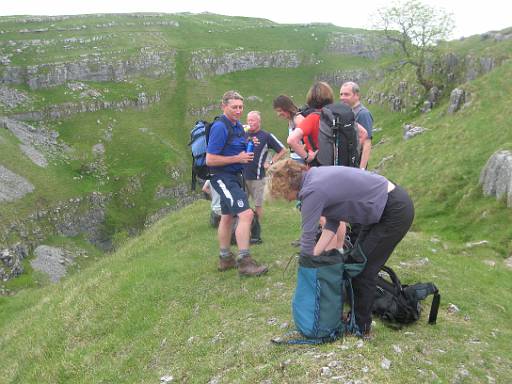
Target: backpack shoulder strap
{"points": [[229, 128], [394, 278], [227, 124]]}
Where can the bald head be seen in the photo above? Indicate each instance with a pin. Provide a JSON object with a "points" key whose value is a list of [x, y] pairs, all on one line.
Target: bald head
{"points": [[254, 121]]}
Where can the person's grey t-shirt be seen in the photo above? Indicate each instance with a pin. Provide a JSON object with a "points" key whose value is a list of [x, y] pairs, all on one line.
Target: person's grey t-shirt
{"points": [[340, 194], [365, 118]]}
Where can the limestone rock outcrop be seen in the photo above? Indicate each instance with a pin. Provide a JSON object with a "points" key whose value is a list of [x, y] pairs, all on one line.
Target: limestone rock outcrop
{"points": [[496, 176]]}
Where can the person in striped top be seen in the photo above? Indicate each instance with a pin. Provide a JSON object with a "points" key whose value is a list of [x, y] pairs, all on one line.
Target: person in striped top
{"points": [[254, 171]]}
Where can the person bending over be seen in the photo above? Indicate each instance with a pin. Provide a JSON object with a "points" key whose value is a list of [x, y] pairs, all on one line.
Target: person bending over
{"points": [[384, 210]]}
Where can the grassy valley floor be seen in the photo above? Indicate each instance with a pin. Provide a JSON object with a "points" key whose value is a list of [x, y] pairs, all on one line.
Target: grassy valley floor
{"points": [[158, 307]]}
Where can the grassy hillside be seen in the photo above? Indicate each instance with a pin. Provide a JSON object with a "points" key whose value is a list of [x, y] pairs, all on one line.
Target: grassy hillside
{"points": [[442, 167], [158, 307]]}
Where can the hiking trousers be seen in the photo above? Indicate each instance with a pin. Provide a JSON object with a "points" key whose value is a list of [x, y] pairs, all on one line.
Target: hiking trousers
{"points": [[378, 242]]}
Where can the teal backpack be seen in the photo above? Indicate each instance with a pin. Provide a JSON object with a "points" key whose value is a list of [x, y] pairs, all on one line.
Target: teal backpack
{"points": [[317, 304]]}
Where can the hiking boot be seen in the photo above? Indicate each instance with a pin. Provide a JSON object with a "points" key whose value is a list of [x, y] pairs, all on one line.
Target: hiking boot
{"points": [[226, 263], [256, 240], [248, 267]]}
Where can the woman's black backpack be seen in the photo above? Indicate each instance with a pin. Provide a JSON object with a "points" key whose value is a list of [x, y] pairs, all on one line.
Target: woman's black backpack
{"points": [[399, 304]]}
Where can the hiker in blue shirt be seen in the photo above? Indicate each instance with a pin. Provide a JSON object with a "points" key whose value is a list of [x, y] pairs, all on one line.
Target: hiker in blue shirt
{"points": [[348, 194], [254, 172], [225, 158], [350, 95]]}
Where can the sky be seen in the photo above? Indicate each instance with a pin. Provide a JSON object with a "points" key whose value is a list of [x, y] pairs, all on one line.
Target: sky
{"points": [[471, 17]]}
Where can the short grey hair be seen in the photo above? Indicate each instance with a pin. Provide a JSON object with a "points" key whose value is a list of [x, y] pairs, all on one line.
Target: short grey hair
{"points": [[354, 86], [257, 113], [231, 95]]}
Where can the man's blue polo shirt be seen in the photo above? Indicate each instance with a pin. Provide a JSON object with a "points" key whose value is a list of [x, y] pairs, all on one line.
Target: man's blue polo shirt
{"points": [[220, 144]]}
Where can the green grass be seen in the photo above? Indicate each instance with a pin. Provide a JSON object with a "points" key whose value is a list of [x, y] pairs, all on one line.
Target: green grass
{"points": [[443, 165], [159, 307]]}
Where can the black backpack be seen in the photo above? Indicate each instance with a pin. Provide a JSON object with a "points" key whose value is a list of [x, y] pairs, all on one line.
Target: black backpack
{"points": [[399, 304], [199, 144], [338, 138]]}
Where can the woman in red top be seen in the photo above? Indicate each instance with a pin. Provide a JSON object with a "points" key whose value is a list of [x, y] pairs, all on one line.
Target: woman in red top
{"points": [[318, 96]]}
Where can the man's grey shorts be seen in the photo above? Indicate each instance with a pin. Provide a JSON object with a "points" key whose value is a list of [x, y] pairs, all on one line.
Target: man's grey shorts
{"points": [[256, 189]]}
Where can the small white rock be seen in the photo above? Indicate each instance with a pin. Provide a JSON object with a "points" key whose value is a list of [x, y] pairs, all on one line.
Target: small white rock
{"points": [[452, 308], [476, 243], [166, 379], [385, 363], [325, 371], [508, 262]]}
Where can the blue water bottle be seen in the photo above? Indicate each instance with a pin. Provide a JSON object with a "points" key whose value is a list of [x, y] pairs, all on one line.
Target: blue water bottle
{"points": [[250, 146]]}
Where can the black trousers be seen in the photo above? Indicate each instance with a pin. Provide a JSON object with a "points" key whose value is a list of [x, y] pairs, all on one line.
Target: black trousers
{"points": [[378, 242]]}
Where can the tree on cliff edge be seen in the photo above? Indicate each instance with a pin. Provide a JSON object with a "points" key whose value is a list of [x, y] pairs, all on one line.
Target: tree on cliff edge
{"points": [[416, 28]]}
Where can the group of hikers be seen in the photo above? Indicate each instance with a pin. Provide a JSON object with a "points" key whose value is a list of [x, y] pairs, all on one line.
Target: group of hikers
{"points": [[331, 196]]}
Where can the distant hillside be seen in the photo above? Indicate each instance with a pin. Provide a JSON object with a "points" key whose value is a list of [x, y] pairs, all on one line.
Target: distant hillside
{"points": [[96, 111]]}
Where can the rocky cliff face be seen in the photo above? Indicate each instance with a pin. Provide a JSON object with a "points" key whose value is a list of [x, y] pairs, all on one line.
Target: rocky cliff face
{"points": [[450, 70], [148, 63], [36, 143], [207, 62], [78, 216], [60, 111], [371, 46], [10, 262], [337, 78], [457, 69]]}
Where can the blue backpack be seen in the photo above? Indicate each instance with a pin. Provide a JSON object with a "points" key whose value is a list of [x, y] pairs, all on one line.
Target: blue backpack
{"points": [[317, 304], [198, 146]]}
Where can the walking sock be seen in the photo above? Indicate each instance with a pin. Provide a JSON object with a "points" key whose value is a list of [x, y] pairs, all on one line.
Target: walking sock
{"points": [[225, 253], [242, 253]]}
